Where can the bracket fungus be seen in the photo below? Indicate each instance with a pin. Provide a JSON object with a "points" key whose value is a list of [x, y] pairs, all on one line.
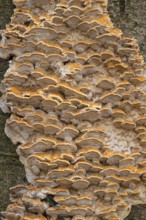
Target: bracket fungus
{"points": [[75, 90]]}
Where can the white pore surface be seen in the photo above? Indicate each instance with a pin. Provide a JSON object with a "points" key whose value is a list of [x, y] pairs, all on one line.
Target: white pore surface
{"points": [[119, 140]]}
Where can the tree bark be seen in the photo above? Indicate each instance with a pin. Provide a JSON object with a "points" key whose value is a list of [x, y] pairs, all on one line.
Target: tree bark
{"points": [[122, 4]]}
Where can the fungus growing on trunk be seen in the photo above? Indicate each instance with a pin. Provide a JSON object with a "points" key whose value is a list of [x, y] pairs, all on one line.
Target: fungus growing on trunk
{"points": [[75, 90]]}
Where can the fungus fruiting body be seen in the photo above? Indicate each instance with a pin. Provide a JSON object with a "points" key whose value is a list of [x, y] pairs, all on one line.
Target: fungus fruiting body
{"points": [[75, 90]]}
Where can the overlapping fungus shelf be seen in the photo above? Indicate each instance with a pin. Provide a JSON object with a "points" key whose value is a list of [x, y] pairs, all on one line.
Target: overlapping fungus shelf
{"points": [[75, 89]]}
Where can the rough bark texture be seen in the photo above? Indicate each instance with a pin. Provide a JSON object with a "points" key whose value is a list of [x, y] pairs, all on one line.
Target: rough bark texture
{"points": [[11, 172], [132, 22]]}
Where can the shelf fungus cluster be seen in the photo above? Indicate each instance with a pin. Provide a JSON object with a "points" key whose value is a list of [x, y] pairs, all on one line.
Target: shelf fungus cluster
{"points": [[75, 89]]}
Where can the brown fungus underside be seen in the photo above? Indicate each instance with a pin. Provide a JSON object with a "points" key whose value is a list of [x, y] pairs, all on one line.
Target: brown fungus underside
{"points": [[75, 89]]}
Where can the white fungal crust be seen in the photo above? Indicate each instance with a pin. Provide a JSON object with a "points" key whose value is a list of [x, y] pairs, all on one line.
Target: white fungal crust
{"points": [[75, 90]]}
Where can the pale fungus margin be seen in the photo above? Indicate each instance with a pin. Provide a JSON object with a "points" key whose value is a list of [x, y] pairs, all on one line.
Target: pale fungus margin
{"points": [[75, 89]]}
